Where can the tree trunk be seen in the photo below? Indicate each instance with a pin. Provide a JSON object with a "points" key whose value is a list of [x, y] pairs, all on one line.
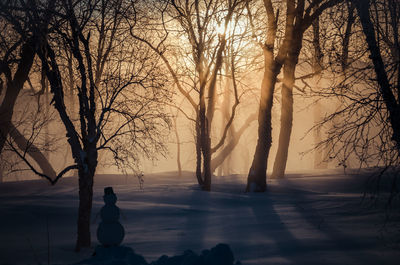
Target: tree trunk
{"points": [[86, 175], [286, 121], [389, 98], [46, 91], [224, 168], [198, 154], [319, 154], [295, 44], [13, 88], [207, 163], [85, 209], [178, 148], [178, 154], [257, 177], [205, 142], [205, 125], [32, 151]]}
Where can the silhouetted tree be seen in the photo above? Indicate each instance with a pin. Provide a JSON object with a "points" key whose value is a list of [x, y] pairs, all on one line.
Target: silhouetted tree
{"points": [[365, 127], [387, 73], [119, 83], [18, 42], [200, 32], [298, 18]]}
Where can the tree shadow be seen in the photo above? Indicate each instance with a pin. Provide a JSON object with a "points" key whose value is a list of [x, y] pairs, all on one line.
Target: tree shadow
{"points": [[194, 234], [247, 222], [333, 242]]}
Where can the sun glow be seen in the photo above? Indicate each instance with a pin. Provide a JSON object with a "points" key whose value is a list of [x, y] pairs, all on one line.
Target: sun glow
{"points": [[220, 28], [233, 28]]}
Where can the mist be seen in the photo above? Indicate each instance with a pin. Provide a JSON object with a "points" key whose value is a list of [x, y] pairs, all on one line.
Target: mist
{"points": [[213, 132]]}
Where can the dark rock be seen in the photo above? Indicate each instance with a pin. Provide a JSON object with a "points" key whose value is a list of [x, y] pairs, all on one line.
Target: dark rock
{"points": [[221, 254], [218, 255]]}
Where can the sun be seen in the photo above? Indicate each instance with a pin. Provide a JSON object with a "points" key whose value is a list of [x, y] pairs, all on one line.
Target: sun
{"points": [[231, 29], [221, 29]]}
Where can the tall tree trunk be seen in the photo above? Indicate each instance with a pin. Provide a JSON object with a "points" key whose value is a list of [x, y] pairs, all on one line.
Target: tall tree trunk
{"points": [[286, 120], [85, 209], [389, 98], [71, 84], [295, 44], [14, 86], [224, 168], [86, 175], [198, 154], [257, 178], [319, 154], [178, 148], [45, 89], [205, 142], [207, 164]]}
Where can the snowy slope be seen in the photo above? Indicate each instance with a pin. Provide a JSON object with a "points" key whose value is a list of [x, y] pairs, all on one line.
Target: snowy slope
{"points": [[305, 219]]}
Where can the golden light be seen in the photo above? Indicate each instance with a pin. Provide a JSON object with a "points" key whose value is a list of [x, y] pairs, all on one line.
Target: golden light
{"points": [[231, 29], [220, 28]]}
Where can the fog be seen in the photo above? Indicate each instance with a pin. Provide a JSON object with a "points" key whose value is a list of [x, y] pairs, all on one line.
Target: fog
{"points": [[301, 154]]}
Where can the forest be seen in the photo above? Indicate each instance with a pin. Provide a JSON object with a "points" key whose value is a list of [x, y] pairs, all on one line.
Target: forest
{"points": [[258, 109]]}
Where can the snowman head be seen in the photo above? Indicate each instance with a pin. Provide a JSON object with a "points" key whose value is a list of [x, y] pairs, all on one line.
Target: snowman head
{"points": [[109, 196]]}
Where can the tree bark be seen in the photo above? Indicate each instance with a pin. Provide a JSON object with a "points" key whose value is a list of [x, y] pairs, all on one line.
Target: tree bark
{"points": [[14, 86], [85, 208], [205, 143], [319, 154], [298, 19], [295, 44], [392, 105], [224, 168], [286, 121], [86, 172], [257, 177], [199, 176], [178, 148]]}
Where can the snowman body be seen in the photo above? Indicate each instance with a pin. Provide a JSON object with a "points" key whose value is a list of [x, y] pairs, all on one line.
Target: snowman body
{"points": [[110, 232]]}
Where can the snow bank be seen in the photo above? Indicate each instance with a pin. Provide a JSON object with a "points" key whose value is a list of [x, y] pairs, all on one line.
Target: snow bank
{"points": [[306, 219], [221, 254]]}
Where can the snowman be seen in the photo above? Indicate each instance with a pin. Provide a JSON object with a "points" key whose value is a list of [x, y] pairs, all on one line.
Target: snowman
{"points": [[110, 232]]}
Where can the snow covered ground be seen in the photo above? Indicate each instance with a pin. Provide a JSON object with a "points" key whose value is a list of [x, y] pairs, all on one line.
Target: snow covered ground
{"points": [[308, 218]]}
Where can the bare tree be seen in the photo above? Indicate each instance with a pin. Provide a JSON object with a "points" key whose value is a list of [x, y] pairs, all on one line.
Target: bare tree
{"points": [[18, 56], [298, 19], [367, 70], [388, 81], [207, 28], [120, 88]]}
